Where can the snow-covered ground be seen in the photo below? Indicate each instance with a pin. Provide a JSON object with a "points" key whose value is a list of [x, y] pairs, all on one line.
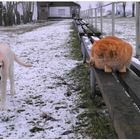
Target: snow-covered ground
{"points": [[40, 107]]}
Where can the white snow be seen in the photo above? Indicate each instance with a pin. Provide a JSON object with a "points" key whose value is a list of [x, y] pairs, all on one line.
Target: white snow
{"points": [[38, 89]]}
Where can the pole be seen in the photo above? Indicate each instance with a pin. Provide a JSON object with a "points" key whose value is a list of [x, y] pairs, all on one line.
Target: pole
{"points": [[113, 19], [95, 18], [137, 29], [92, 17], [101, 19]]}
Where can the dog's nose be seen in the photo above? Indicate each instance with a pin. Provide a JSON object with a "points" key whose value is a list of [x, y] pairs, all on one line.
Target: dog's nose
{"points": [[0, 77]]}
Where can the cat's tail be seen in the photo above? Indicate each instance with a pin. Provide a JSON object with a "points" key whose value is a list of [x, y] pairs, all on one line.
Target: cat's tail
{"points": [[20, 62]]}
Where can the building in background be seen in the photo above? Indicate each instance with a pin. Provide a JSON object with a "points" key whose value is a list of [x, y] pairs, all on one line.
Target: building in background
{"points": [[57, 10]]}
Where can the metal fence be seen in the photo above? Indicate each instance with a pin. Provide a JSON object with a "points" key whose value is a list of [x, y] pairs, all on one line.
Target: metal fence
{"points": [[91, 16]]}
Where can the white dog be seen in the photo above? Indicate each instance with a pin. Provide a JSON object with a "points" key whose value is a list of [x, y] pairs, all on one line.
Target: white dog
{"points": [[7, 58]]}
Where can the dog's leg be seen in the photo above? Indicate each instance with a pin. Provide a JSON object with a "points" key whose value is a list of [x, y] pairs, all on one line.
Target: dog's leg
{"points": [[11, 77], [3, 92], [3, 87]]}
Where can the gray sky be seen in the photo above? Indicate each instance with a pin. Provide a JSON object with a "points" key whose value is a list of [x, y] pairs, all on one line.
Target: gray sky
{"points": [[85, 4]]}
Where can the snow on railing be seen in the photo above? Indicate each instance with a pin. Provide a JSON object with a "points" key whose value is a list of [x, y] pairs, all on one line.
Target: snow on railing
{"points": [[91, 16]]}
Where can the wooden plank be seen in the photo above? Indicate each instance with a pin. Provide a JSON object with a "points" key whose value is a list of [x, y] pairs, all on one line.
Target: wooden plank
{"points": [[87, 30], [137, 72], [135, 62], [131, 83], [135, 66], [86, 49], [92, 83], [94, 38], [76, 18], [77, 22], [87, 44], [126, 118], [80, 30], [95, 31], [84, 22]]}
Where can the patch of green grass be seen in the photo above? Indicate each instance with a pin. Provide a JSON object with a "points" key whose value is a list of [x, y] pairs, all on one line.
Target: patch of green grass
{"points": [[94, 122], [75, 45]]}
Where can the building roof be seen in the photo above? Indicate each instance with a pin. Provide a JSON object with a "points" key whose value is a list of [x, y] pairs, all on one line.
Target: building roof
{"points": [[61, 3]]}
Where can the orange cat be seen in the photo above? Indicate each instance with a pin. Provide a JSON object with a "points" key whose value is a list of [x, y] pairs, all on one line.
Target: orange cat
{"points": [[111, 53]]}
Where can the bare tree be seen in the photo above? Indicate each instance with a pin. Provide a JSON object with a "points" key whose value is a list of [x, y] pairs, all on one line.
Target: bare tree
{"points": [[28, 9], [117, 8], [17, 14], [1, 13], [25, 12], [32, 10], [9, 14], [124, 9]]}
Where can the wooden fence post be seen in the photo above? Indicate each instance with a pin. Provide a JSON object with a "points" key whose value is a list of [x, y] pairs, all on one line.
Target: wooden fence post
{"points": [[113, 19], [96, 18], [138, 29], [92, 17], [88, 15], [101, 18], [1, 6], [85, 15], [81, 14]]}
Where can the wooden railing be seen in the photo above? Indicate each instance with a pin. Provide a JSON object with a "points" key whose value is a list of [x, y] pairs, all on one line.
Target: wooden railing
{"points": [[120, 91], [91, 16]]}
